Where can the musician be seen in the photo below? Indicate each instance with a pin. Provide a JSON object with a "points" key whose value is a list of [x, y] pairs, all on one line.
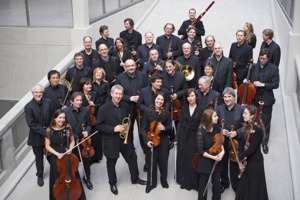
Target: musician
{"points": [[56, 145], [102, 89], [200, 31], [193, 61], [205, 140], [232, 113], [169, 43], [55, 91], [191, 114], [240, 53], [223, 70], [76, 115], [252, 184], [110, 64], [120, 51], [105, 39], [208, 51], [250, 37], [160, 153], [272, 46], [38, 113], [209, 98], [144, 49], [89, 53], [155, 64], [109, 123], [132, 38], [215, 83], [77, 72], [132, 82], [265, 76], [195, 44]]}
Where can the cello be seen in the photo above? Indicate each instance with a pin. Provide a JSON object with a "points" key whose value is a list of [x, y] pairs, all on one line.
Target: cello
{"points": [[247, 91], [67, 186]]}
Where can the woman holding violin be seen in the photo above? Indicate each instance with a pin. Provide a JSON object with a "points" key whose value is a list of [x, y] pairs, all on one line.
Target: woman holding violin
{"points": [[56, 144], [155, 129], [191, 114], [252, 184], [120, 51], [211, 153], [101, 88]]}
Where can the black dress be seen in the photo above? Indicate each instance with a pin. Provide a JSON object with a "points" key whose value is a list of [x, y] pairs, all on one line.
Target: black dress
{"points": [[252, 184], [187, 147], [58, 141]]}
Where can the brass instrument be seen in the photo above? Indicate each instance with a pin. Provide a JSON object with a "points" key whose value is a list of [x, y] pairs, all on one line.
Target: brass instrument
{"points": [[126, 124], [186, 70]]}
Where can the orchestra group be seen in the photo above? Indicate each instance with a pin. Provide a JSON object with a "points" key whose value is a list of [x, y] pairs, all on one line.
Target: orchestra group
{"points": [[213, 111]]}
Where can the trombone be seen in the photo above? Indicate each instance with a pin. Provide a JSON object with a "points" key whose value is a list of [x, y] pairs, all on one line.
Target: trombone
{"points": [[126, 124]]}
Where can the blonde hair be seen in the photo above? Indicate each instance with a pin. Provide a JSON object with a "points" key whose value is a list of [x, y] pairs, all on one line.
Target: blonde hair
{"points": [[103, 74], [249, 32]]}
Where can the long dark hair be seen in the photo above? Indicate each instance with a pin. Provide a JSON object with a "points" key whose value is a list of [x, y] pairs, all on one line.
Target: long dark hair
{"points": [[206, 120], [247, 127], [152, 109], [84, 81], [55, 115], [188, 93]]}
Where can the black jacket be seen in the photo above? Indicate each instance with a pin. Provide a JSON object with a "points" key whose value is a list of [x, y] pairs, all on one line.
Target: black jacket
{"points": [[192, 61], [180, 85], [200, 31], [169, 44], [143, 53], [89, 59], [133, 39], [275, 52], [57, 95], [74, 74]]}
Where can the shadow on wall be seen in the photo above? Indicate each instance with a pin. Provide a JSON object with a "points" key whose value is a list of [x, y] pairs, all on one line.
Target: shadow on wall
{"points": [[5, 106]]}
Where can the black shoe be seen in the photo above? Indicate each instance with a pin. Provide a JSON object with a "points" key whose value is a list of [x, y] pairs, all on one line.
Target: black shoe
{"points": [[88, 183], [265, 148], [139, 181], [223, 188], [145, 167], [114, 189], [166, 185], [40, 181], [148, 188]]}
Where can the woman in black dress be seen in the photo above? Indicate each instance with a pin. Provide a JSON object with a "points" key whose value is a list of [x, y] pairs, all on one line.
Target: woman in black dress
{"points": [[252, 184], [250, 37], [101, 90], [191, 114], [206, 133], [157, 112], [120, 51], [56, 145]]}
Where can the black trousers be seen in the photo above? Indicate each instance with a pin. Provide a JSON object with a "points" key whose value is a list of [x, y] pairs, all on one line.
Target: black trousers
{"points": [[131, 135], [39, 156], [85, 161], [160, 158], [131, 160], [234, 169], [97, 145], [266, 117], [216, 189]]}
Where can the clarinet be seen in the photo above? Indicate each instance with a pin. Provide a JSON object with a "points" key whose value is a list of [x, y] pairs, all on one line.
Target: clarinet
{"points": [[170, 47]]}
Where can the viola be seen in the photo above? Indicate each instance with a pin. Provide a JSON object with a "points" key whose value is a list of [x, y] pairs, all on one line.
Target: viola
{"points": [[67, 186], [233, 147], [218, 141], [153, 134], [92, 114], [153, 70], [247, 91], [175, 107], [87, 151], [234, 83]]}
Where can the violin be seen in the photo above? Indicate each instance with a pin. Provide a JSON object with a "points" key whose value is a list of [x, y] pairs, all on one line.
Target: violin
{"points": [[153, 70], [67, 186], [233, 147], [234, 83], [247, 91], [218, 141], [153, 134], [92, 111], [87, 151], [175, 107], [197, 48]]}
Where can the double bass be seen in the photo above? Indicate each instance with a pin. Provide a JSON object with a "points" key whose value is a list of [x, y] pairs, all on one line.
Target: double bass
{"points": [[67, 186]]}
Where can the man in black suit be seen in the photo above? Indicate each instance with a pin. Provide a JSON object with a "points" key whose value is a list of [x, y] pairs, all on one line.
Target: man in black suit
{"points": [[89, 53], [132, 82], [79, 119], [232, 113], [109, 123], [169, 42], [200, 31], [207, 51], [273, 47], [105, 39], [132, 38], [38, 113], [195, 44], [110, 64], [154, 64], [265, 76], [209, 98], [76, 73]]}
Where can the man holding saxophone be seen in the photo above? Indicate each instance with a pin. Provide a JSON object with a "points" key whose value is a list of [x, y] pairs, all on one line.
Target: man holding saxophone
{"points": [[109, 123]]}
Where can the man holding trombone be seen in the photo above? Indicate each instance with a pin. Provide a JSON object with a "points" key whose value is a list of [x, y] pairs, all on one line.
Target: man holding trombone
{"points": [[114, 129]]}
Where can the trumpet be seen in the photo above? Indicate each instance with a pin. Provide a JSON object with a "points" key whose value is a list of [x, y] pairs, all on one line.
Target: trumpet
{"points": [[126, 124]]}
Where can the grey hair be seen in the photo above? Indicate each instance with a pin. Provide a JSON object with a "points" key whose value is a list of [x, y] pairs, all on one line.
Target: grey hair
{"points": [[150, 33], [37, 85], [207, 79], [229, 90], [117, 87]]}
